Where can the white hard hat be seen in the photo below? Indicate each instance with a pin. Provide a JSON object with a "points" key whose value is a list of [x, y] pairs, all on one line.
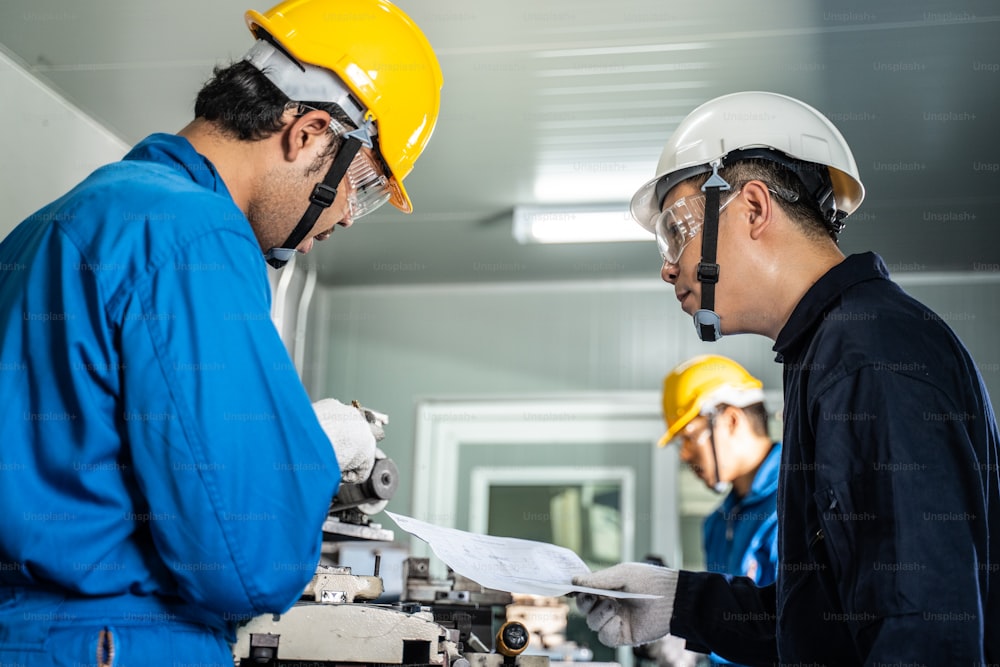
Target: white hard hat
{"points": [[758, 124]]}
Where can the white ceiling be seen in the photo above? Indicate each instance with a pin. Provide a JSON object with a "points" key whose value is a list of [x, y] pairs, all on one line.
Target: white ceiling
{"points": [[571, 101]]}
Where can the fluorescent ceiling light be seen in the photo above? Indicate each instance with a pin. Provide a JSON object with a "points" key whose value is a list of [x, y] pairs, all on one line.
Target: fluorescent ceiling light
{"points": [[565, 174], [576, 224]]}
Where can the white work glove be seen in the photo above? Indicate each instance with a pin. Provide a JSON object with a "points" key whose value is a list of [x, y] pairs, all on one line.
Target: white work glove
{"points": [[629, 621], [353, 431]]}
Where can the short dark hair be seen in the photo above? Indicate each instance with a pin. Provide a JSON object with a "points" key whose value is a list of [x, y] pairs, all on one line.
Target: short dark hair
{"points": [[804, 211], [756, 414], [242, 102], [245, 105]]}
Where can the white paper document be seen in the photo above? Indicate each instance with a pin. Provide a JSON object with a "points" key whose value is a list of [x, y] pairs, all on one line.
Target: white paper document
{"points": [[506, 563]]}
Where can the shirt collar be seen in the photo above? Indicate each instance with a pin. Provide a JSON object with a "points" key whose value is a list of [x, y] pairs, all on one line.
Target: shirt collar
{"points": [[765, 480], [177, 152], [821, 296]]}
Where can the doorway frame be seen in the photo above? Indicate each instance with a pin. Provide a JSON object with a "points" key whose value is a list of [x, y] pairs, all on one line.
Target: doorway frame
{"points": [[445, 427]]}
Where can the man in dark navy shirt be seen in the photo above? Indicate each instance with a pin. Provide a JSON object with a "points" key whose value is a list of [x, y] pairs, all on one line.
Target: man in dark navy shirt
{"points": [[889, 488]]}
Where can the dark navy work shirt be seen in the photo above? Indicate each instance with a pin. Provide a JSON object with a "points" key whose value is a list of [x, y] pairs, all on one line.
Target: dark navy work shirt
{"points": [[888, 500]]}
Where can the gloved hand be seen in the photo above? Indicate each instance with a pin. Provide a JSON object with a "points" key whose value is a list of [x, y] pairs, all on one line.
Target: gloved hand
{"points": [[353, 431], [629, 621]]}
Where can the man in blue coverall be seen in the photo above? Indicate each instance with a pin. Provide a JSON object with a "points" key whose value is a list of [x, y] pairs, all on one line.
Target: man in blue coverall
{"points": [[714, 410], [889, 485], [163, 474]]}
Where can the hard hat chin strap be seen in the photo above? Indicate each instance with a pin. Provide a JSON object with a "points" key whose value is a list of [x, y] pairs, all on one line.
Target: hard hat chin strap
{"points": [[707, 322], [323, 195]]}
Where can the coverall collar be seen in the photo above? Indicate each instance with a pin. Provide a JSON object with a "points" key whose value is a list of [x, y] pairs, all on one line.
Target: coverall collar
{"points": [[821, 296], [177, 152], [765, 481]]}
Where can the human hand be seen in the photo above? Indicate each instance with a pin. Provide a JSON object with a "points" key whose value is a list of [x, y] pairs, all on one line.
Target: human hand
{"points": [[353, 432], [629, 621]]}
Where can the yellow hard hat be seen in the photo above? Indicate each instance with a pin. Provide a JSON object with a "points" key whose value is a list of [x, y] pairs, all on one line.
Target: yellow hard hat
{"points": [[383, 58], [701, 384]]}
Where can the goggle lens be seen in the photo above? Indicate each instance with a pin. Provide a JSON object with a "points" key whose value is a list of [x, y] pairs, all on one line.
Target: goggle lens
{"points": [[369, 187], [681, 222]]}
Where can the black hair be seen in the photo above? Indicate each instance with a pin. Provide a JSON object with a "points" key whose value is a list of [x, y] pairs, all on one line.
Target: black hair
{"points": [[242, 102], [756, 415], [793, 198], [245, 105]]}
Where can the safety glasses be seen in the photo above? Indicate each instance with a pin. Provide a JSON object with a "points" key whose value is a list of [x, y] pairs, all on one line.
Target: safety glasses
{"points": [[678, 224], [368, 184], [693, 436]]}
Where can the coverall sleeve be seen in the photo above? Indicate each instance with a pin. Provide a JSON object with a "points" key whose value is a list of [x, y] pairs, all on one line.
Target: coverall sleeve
{"points": [[898, 496], [227, 451], [726, 615]]}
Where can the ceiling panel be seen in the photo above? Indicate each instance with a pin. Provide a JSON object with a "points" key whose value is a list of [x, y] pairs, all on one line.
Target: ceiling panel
{"points": [[563, 101]]}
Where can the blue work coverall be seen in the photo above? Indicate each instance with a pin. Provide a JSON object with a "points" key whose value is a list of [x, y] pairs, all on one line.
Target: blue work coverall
{"points": [[741, 535], [162, 473], [888, 498]]}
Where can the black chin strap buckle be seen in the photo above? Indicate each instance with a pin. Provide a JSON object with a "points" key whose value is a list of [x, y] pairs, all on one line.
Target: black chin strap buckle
{"points": [[708, 273], [323, 195]]}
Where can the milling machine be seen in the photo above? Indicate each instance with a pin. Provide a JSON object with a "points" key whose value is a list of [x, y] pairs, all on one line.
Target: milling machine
{"points": [[337, 621]]}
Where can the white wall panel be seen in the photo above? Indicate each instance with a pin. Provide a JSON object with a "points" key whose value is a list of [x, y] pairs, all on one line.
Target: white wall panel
{"points": [[47, 145], [391, 347]]}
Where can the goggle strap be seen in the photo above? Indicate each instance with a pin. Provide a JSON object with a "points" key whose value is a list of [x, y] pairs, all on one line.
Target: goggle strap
{"points": [[322, 197]]}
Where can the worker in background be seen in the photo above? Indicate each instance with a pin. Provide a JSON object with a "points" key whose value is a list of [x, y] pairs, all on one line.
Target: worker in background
{"points": [[163, 473], [714, 410], [888, 489]]}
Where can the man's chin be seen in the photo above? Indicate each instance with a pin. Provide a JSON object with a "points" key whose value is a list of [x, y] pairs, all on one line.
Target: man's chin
{"points": [[688, 304]]}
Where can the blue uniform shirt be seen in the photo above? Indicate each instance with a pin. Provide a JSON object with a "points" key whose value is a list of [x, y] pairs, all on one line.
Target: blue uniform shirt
{"points": [[160, 460], [741, 535]]}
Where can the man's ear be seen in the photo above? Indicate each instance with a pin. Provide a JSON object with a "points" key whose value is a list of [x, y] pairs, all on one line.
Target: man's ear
{"points": [[304, 131], [762, 207], [729, 419]]}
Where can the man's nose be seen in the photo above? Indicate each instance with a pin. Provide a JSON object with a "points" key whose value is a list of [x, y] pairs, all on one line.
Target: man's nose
{"points": [[669, 272]]}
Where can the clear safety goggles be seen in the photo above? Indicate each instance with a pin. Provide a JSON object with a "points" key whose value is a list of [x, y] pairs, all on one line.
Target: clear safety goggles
{"points": [[367, 180], [681, 222], [368, 186]]}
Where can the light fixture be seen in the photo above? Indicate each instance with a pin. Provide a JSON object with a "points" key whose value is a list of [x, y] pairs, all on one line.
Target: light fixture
{"points": [[597, 223]]}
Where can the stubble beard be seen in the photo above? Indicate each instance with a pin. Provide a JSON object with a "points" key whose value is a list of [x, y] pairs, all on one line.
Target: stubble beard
{"points": [[272, 213]]}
